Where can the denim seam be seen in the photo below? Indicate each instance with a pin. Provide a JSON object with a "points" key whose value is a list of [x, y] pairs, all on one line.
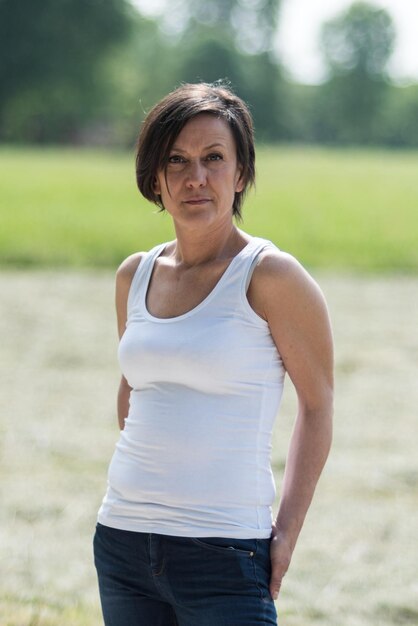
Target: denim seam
{"points": [[161, 570], [223, 549], [255, 572]]}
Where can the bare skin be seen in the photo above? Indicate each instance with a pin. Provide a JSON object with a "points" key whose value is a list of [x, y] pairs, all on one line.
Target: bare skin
{"points": [[202, 178]]}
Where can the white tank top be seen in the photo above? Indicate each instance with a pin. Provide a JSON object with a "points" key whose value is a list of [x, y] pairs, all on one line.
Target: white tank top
{"points": [[194, 457]]}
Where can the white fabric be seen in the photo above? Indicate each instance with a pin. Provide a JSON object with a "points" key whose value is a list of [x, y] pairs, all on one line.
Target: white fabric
{"points": [[194, 457]]}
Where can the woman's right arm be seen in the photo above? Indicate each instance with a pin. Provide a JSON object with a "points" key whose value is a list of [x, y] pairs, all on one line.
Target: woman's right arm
{"points": [[124, 277]]}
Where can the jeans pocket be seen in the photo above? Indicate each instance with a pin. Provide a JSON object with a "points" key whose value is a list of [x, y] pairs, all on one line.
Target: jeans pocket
{"points": [[243, 547]]}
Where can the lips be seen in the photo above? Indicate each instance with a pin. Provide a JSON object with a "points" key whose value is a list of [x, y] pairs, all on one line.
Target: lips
{"points": [[197, 200]]}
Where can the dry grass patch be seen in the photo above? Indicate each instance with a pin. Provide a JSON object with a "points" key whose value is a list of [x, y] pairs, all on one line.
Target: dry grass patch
{"points": [[356, 563]]}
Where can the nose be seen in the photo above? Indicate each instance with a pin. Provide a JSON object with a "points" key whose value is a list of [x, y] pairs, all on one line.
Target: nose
{"points": [[196, 174]]}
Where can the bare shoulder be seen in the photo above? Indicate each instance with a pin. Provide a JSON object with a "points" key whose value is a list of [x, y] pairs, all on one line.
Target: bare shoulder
{"points": [[124, 276], [128, 267], [281, 270], [280, 281]]}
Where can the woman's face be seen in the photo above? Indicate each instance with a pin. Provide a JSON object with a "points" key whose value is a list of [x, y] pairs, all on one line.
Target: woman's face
{"points": [[202, 173]]}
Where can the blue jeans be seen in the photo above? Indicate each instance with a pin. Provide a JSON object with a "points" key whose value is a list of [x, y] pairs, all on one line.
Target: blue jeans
{"points": [[147, 579]]}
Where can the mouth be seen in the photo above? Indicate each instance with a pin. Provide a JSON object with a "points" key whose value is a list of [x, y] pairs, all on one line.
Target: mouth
{"points": [[196, 201]]}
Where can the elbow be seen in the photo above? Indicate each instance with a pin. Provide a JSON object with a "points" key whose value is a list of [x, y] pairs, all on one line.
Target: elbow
{"points": [[320, 405], [318, 413]]}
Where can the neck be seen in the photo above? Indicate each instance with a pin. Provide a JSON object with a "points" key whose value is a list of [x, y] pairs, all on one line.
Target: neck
{"points": [[195, 248]]}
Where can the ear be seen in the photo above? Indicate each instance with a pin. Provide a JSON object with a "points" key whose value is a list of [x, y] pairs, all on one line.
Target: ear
{"points": [[156, 187], [239, 185]]}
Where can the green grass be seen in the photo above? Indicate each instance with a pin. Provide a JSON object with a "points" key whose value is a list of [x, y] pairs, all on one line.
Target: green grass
{"points": [[350, 209]]}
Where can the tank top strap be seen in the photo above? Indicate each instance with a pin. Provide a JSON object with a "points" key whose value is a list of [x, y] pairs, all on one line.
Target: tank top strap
{"points": [[141, 277], [251, 259], [230, 290], [246, 260], [233, 286]]}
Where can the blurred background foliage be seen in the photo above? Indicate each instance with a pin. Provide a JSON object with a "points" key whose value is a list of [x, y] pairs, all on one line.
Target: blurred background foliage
{"points": [[86, 71]]}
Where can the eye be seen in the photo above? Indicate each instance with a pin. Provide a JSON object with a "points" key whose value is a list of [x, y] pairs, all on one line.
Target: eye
{"points": [[215, 156], [176, 158]]}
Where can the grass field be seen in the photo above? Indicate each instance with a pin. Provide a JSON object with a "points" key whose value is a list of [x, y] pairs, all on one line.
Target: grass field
{"points": [[356, 561], [352, 213], [330, 208]]}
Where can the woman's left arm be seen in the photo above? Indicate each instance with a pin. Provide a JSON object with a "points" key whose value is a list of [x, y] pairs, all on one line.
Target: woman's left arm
{"points": [[295, 309]]}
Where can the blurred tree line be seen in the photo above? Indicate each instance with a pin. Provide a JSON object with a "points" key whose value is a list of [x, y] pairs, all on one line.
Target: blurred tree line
{"points": [[86, 71]]}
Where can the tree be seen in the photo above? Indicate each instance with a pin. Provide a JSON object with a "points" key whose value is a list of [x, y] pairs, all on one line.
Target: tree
{"points": [[209, 58], [399, 118], [356, 45], [255, 78], [264, 90], [51, 59], [249, 24], [233, 40]]}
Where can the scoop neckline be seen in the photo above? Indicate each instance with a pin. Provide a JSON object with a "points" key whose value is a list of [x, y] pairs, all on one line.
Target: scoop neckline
{"points": [[211, 294]]}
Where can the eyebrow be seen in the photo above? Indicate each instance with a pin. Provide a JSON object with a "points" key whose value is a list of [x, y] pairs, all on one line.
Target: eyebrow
{"points": [[212, 145]]}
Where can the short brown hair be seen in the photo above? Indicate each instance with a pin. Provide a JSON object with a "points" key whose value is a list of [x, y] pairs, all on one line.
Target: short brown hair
{"points": [[167, 118]]}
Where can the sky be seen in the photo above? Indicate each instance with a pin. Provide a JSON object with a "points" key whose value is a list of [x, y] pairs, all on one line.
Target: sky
{"points": [[298, 36]]}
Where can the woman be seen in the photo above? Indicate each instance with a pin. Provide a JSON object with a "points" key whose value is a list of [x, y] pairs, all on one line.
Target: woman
{"points": [[209, 324]]}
